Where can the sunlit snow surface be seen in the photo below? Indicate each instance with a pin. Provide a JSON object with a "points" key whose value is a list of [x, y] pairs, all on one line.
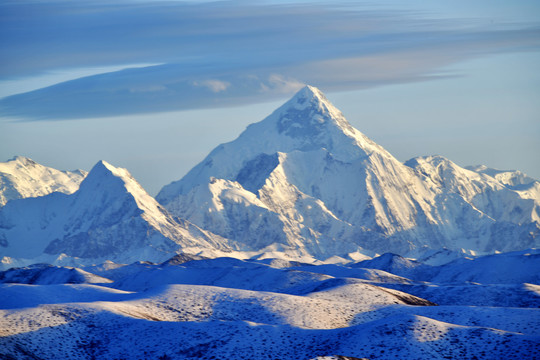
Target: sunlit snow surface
{"points": [[21, 178], [305, 179], [302, 182], [227, 308], [299, 204]]}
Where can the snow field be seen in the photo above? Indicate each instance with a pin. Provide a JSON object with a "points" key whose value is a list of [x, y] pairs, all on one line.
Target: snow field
{"points": [[227, 308]]}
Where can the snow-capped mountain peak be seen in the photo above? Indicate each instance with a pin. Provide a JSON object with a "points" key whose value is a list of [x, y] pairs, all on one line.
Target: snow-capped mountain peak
{"points": [[307, 122], [109, 183], [326, 189], [107, 188], [105, 177], [21, 177], [507, 177], [313, 123], [102, 165], [104, 170], [308, 110], [110, 217], [22, 160]]}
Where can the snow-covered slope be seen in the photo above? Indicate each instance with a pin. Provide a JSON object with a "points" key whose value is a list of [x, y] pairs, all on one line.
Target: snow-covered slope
{"points": [[395, 264], [508, 177], [109, 217], [505, 268], [305, 181], [510, 199], [21, 177], [44, 274], [16, 296], [504, 280], [230, 309], [206, 329]]}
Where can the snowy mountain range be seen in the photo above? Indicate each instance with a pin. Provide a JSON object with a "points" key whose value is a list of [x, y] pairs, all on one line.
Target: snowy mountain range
{"points": [[21, 177], [302, 183], [109, 217], [305, 181], [268, 249]]}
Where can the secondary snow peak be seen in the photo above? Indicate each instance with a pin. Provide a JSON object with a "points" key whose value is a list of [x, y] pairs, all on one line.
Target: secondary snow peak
{"points": [[23, 160], [21, 177], [105, 177], [103, 167], [110, 216]]}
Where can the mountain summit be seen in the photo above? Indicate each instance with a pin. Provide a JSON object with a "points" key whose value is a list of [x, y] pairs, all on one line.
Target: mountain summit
{"points": [[22, 177], [315, 123], [109, 217], [307, 122], [304, 180]]}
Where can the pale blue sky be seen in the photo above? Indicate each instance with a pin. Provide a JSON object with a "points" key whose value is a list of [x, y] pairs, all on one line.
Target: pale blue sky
{"points": [[459, 80]]}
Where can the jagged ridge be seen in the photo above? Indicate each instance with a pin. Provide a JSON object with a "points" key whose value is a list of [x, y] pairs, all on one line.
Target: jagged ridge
{"points": [[22, 177], [110, 217], [326, 189]]}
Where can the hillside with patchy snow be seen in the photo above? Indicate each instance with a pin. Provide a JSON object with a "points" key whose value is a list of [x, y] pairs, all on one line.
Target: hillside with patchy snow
{"points": [[224, 308]]}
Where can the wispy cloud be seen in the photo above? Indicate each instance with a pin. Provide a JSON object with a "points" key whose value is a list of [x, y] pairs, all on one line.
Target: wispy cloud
{"points": [[225, 53], [214, 85], [281, 84]]}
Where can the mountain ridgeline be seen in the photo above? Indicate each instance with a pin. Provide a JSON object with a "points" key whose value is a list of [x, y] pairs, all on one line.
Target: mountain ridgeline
{"points": [[305, 180], [302, 182], [110, 217]]}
